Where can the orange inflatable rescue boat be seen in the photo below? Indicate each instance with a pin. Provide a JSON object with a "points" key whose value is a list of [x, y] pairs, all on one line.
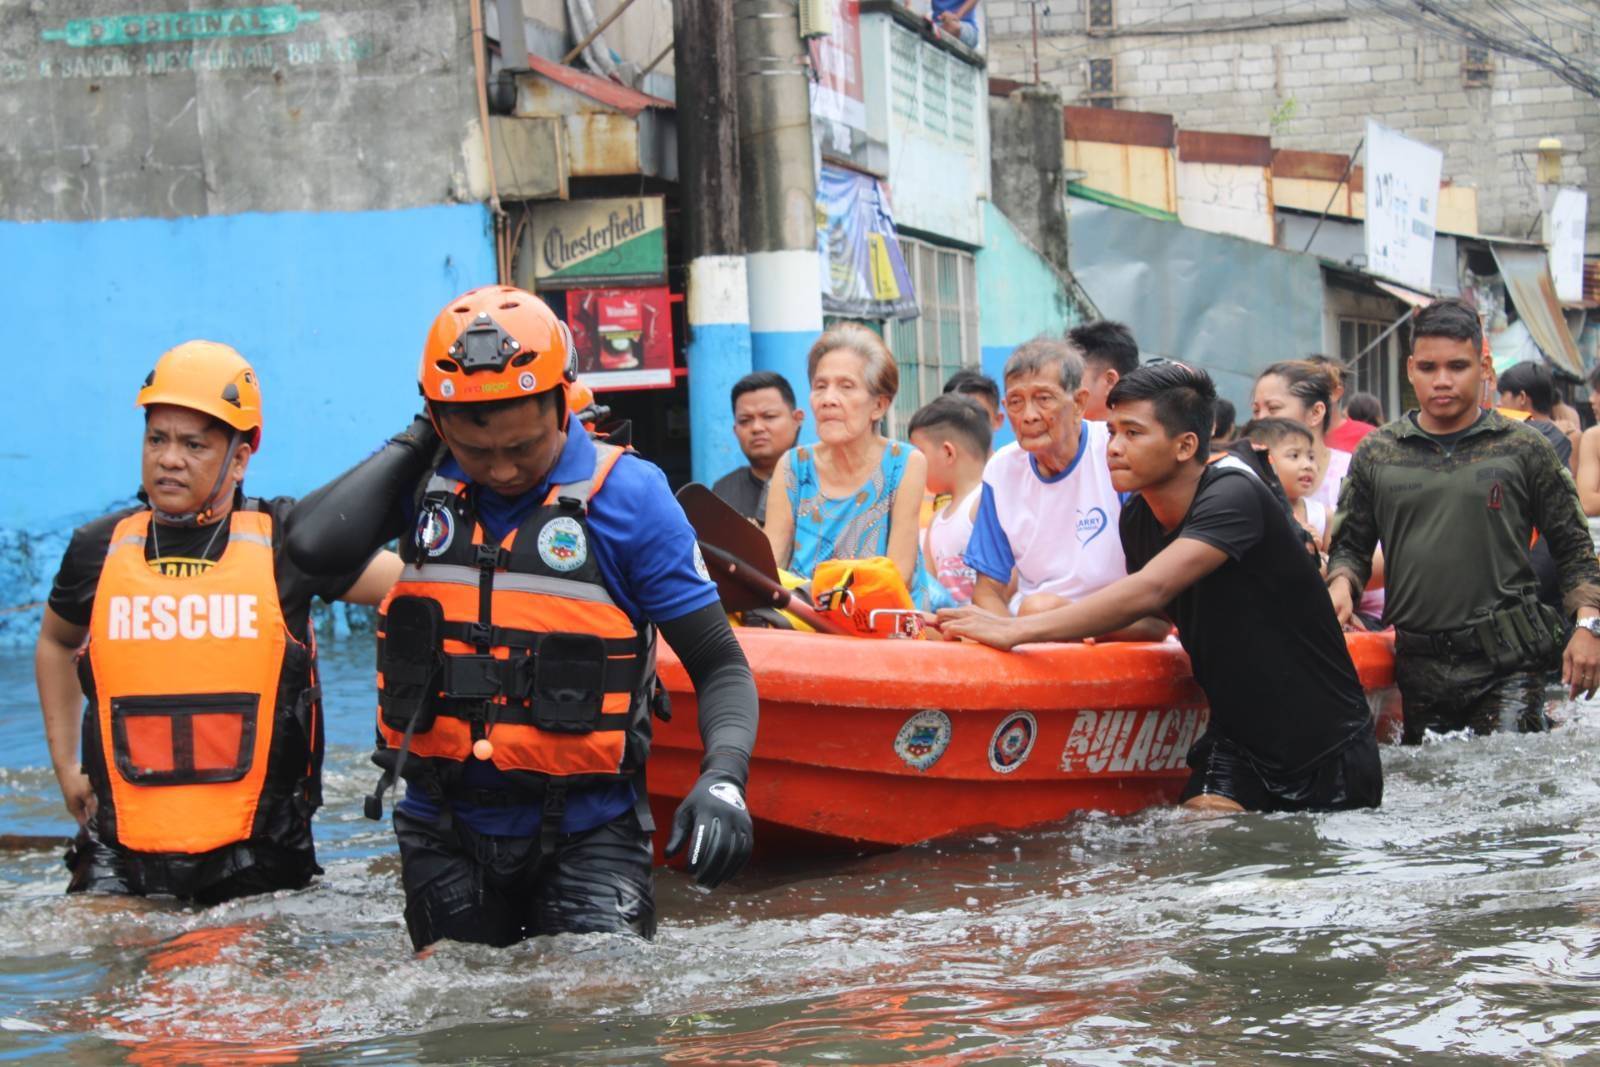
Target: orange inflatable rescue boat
{"points": [[883, 743], [874, 744]]}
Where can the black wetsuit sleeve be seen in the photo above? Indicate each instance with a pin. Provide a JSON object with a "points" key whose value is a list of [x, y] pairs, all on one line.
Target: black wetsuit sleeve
{"points": [[335, 529], [724, 688]]}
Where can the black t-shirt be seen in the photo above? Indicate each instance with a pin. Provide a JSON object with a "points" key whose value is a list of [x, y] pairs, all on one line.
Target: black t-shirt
{"points": [[183, 550], [1558, 440], [1260, 631], [746, 492]]}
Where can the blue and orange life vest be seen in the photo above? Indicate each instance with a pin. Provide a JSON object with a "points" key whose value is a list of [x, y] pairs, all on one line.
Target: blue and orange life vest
{"points": [[513, 652], [203, 713]]}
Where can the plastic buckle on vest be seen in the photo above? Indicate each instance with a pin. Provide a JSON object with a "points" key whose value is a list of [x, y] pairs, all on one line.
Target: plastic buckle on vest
{"points": [[478, 634], [570, 503], [489, 557], [372, 805]]}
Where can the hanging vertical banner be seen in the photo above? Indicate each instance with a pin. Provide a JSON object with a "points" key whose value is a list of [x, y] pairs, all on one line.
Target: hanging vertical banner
{"points": [[1402, 190], [836, 93], [1564, 226], [864, 275], [623, 337]]}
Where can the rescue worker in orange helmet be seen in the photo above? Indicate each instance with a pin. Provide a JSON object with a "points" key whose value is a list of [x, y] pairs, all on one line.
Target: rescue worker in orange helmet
{"points": [[517, 651], [202, 736]]}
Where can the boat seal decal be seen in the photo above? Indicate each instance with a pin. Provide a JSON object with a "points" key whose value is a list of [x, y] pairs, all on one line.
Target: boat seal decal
{"points": [[923, 739], [1012, 742]]}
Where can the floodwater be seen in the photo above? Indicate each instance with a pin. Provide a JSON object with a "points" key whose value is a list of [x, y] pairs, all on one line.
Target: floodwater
{"points": [[1456, 925]]}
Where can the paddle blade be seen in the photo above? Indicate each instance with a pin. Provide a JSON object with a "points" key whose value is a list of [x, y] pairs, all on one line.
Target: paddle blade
{"points": [[716, 523]]}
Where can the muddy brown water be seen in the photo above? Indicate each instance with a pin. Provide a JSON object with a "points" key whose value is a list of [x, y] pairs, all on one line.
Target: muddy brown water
{"points": [[1457, 924]]}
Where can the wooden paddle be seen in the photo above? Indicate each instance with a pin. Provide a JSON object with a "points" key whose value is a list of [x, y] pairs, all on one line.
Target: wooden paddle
{"points": [[739, 558]]}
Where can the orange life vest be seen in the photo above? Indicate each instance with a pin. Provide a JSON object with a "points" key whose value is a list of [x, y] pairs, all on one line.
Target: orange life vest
{"points": [[514, 652], [203, 712], [866, 597]]}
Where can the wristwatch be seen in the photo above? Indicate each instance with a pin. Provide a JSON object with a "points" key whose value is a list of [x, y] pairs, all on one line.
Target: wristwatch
{"points": [[1592, 624]]}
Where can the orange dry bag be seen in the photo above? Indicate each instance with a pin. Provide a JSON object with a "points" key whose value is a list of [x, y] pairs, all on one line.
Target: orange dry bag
{"points": [[866, 597]]}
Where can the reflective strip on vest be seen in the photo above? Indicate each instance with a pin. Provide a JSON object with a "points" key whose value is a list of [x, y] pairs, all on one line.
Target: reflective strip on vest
{"points": [[458, 574]]}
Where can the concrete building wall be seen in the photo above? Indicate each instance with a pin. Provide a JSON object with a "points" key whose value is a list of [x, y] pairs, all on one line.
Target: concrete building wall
{"points": [[303, 182], [1310, 73], [129, 110]]}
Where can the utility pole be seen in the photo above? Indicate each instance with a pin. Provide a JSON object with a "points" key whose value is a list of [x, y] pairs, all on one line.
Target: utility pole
{"points": [[778, 187], [708, 174]]}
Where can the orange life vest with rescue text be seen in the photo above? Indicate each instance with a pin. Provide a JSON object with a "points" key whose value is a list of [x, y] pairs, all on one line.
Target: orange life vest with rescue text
{"points": [[202, 708]]}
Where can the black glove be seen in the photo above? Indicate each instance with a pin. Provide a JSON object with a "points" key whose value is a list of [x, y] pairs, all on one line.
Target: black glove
{"points": [[715, 824]]}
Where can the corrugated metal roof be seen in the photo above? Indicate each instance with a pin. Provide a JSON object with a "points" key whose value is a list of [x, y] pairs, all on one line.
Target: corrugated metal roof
{"points": [[601, 90], [1526, 273]]}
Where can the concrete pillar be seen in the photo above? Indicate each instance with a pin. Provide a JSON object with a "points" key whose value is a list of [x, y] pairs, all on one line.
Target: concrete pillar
{"points": [[719, 355], [778, 188]]}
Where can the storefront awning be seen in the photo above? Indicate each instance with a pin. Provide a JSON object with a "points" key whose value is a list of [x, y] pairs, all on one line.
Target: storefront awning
{"points": [[1526, 273], [1400, 292]]}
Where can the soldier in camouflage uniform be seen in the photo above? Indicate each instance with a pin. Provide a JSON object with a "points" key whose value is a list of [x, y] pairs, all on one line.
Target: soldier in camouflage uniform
{"points": [[1454, 494]]}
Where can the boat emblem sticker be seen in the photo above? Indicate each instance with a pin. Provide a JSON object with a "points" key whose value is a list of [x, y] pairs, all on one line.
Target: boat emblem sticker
{"points": [[562, 544], [1012, 742], [923, 739], [436, 528]]}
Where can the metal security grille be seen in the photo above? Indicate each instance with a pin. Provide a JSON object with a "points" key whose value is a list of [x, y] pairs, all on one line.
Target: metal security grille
{"points": [[944, 337], [1102, 15], [1477, 68], [1102, 82], [1375, 372]]}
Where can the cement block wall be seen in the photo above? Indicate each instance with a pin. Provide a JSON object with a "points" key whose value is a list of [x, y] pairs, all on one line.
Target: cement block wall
{"points": [[306, 194], [119, 109], [1309, 74]]}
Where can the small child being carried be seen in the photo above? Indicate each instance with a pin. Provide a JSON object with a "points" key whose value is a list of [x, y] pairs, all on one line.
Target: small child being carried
{"points": [[953, 432], [1290, 449]]}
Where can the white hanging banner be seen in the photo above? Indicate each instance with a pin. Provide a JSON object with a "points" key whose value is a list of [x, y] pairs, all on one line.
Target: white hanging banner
{"points": [[1402, 194], [1563, 232]]}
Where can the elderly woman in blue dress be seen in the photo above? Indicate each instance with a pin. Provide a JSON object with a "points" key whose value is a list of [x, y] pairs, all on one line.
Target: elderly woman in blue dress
{"points": [[855, 493]]}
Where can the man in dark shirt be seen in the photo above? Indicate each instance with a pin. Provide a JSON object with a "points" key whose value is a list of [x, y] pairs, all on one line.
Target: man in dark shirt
{"points": [[1530, 387], [1454, 493], [767, 423], [1212, 549]]}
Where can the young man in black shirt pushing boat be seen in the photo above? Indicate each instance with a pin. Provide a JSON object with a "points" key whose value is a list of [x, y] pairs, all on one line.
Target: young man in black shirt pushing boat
{"points": [[1212, 548]]}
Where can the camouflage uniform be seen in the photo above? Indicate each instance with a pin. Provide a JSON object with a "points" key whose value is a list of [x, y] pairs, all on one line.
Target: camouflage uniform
{"points": [[1455, 520]]}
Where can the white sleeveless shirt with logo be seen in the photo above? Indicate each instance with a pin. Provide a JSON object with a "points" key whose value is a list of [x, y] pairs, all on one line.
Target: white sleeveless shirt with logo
{"points": [[1062, 532]]}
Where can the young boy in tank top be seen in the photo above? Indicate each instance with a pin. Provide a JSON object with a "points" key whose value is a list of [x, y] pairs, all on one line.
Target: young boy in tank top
{"points": [[954, 433]]}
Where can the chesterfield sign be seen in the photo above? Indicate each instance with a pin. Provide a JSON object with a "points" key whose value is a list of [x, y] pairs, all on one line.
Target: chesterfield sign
{"points": [[578, 242]]}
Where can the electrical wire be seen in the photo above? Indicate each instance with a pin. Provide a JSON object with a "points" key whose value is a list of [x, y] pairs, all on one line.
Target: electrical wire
{"points": [[1507, 36]]}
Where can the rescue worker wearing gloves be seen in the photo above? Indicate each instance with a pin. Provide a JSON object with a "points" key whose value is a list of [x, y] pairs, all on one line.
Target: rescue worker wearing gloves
{"points": [[202, 735], [516, 657]]}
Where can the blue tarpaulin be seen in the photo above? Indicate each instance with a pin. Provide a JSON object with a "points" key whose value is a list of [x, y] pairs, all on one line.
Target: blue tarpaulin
{"points": [[863, 274]]}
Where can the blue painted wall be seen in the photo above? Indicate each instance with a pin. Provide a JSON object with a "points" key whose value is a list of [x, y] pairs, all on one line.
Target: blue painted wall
{"points": [[1020, 296], [331, 308]]}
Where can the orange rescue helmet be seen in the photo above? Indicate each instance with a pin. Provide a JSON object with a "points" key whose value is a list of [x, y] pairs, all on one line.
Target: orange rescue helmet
{"points": [[580, 397], [210, 378], [495, 343]]}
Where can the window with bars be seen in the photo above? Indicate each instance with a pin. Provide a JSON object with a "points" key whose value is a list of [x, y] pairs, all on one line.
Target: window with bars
{"points": [[1102, 15], [1477, 68], [944, 337], [1102, 83], [1371, 371]]}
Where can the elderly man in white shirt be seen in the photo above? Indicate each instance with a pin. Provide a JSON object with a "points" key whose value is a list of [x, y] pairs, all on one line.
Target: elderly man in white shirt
{"points": [[1048, 513]]}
